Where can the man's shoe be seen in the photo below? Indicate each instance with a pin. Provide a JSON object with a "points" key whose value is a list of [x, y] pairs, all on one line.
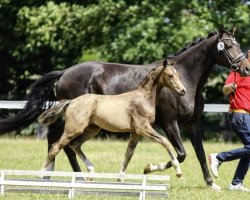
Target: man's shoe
{"points": [[214, 164], [239, 187]]}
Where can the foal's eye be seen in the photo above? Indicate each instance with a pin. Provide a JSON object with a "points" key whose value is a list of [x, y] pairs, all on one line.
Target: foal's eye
{"points": [[170, 75]]}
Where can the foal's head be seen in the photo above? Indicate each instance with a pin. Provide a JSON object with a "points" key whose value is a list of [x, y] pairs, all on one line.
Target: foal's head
{"points": [[171, 78]]}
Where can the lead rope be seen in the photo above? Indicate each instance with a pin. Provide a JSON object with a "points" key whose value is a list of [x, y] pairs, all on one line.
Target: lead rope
{"points": [[234, 84], [232, 93]]}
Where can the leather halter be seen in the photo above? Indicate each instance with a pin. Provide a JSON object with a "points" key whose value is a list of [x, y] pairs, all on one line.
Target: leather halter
{"points": [[232, 61]]}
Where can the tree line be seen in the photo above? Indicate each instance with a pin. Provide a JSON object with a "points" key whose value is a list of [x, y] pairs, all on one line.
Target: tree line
{"points": [[37, 37]]}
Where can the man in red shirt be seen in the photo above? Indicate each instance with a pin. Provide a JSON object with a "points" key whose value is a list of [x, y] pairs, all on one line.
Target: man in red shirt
{"points": [[238, 89]]}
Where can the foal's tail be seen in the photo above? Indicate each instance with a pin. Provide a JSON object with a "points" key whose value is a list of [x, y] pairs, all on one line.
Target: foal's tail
{"points": [[41, 92], [50, 116]]}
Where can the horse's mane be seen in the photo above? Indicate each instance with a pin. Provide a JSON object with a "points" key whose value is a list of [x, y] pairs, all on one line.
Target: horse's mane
{"points": [[195, 42]]}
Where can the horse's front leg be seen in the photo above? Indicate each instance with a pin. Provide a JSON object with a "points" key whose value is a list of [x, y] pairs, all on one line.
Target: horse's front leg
{"points": [[147, 130], [133, 141], [196, 140]]}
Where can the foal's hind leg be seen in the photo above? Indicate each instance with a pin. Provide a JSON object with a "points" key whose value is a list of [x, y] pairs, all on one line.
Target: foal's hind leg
{"points": [[147, 130], [75, 145], [55, 149], [133, 141]]}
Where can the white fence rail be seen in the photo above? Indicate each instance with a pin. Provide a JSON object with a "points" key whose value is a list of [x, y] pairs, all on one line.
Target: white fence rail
{"points": [[21, 104], [72, 183]]}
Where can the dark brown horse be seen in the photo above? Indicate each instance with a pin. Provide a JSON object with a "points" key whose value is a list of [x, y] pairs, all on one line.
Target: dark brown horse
{"points": [[194, 64]]}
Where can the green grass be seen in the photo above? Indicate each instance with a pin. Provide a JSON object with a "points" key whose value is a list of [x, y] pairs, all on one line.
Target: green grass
{"points": [[29, 154]]}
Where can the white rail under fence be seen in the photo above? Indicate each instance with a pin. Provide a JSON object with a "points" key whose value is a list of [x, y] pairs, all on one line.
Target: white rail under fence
{"points": [[21, 104], [72, 183]]}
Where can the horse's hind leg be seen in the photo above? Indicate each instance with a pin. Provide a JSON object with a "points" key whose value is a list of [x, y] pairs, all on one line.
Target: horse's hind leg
{"points": [[147, 130], [71, 155], [133, 141]]}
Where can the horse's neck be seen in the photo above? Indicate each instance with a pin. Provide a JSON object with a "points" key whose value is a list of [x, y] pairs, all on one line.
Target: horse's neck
{"points": [[197, 63]]}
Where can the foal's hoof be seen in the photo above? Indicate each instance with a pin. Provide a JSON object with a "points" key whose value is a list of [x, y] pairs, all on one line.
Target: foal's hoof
{"points": [[81, 179], [120, 177], [179, 175], [148, 169], [42, 176], [91, 170]]}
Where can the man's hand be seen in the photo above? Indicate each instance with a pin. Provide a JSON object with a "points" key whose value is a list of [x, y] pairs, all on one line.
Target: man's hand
{"points": [[229, 88]]}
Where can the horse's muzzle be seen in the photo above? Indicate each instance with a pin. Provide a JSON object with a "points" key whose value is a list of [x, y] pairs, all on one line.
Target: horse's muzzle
{"points": [[245, 71]]}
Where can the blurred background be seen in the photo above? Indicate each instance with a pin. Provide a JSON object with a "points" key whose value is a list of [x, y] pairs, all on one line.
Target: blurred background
{"points": [[37, 37]]}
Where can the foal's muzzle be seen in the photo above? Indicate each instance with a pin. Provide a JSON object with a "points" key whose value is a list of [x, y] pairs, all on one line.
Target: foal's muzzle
{"points": [[182, 92]]}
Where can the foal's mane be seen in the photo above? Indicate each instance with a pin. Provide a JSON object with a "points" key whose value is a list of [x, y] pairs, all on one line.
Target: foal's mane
{"points": [[146, 79]]}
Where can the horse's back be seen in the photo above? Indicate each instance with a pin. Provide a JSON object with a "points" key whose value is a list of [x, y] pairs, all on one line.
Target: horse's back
{"points": [[100, 78]]}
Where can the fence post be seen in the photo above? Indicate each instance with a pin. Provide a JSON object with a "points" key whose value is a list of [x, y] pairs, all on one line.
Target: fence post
{"points": [[1, 182], [143, 191], [72, 190]]}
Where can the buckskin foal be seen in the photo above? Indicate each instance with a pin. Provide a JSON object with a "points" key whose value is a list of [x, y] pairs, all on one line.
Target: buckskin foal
{"points": [[128, 112]]}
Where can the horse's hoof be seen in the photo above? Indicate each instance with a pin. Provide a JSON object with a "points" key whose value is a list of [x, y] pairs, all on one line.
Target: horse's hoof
{"points": [[148, 169], [215, 187]]}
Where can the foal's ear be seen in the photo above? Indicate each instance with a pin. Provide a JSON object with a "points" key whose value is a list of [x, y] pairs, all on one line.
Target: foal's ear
{"points": [[233, 29], [165, 63]]}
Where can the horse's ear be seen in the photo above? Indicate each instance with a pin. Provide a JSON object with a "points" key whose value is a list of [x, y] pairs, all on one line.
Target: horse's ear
{"points": [[233, 29], [221, 30]]}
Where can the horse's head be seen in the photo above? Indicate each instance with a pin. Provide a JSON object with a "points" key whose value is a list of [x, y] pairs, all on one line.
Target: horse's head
{"points": [[230, 54], [171, 78]]}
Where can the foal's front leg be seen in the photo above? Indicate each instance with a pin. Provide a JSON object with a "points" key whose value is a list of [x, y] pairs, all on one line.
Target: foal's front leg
{"points": [[133, 141], [147, 130]]}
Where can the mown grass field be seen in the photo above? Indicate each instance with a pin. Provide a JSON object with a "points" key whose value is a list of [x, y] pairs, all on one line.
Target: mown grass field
{"points": [[29, 154]]}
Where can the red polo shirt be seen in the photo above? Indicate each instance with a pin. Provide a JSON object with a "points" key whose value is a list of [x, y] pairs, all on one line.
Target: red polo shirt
{"points": [[241, 98]]}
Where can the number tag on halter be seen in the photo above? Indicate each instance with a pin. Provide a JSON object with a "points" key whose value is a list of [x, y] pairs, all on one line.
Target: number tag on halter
{"points": [[220, 46]]}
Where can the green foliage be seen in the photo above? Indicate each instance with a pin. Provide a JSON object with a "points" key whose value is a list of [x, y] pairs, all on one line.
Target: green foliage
{"points": [[41, 36]]}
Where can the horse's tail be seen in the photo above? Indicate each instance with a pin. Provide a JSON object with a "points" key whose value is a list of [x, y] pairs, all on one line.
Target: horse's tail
{"points": [[50, 116], [41, 92]]}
